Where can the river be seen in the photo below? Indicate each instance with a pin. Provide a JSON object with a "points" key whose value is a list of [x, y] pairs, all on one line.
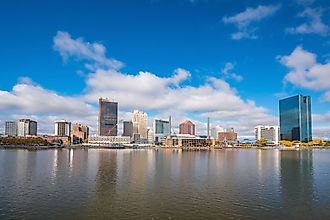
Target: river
{"points": [[164, 184]]}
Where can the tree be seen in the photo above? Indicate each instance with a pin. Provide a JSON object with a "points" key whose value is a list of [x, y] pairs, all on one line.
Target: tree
{"points": [[286, 143], [262, 142]]}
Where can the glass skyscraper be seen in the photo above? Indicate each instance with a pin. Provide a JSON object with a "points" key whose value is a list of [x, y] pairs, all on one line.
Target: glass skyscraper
{"points": [[161, 130], [108, 117], [295, 118]]}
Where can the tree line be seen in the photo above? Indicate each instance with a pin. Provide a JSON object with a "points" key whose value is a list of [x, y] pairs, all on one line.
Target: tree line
{"points": [[23, 141]]}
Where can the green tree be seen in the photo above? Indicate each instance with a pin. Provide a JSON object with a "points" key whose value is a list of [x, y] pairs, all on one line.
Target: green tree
{"points": [[262, 142]]}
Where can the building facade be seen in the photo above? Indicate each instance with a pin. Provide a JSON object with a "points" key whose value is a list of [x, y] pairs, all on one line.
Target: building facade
{"points": [[188, 141], [128, 128], [296, 118], [108, 140], [150, 139], [227, 136], [215, 131], [26, 127], [11, 128], [108, 118], [161, 130], [187, 127], [62, 128], [270, 133], [79, 133], [140, 123]]}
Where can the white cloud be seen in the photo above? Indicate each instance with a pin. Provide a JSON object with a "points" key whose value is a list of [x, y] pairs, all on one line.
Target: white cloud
{"points": [[305, 71], [27, 100], [78, 48], [313, 25], [243, 20], [158, 95], [30, 99], [149, 92], [227, 72]]}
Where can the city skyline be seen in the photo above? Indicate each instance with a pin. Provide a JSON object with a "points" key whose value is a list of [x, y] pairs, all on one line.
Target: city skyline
{"points": [[210, 59]]}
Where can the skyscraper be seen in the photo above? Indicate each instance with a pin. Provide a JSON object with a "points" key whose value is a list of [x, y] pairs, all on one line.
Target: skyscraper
{"points": [[161, 130], [140, 123], [63, 128], [295, 118], [26, 127], [128, 128], [11, 128], [108, 117], [187, 127]]}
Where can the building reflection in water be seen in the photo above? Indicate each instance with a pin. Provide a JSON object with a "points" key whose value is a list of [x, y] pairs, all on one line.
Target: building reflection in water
{"points": [[105, 183], [54, 167], [297, 183]]}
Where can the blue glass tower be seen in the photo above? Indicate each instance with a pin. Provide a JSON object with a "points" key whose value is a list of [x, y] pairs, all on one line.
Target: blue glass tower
{"points": [[295, 118]]}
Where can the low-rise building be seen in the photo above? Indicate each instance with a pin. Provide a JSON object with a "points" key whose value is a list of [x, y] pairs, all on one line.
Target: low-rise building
{"points": [[108, 140], [189, 141], [79, 133], [227, 136]]}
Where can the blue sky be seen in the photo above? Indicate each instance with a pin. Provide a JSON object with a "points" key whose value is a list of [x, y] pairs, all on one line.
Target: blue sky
{"points": [[228, 60]]}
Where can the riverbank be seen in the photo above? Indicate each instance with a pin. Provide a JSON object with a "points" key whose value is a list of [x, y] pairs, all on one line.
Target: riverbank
{"points": [[49, 147], [29, 147]]}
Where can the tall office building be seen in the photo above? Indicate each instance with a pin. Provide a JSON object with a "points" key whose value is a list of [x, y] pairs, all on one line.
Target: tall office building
{"points": [[128, 128], [295, 118], [161, 130], [26, 127], [63, 128], [11, 128], [270, 133], [187, 127], [140, 123], [108, 117]]}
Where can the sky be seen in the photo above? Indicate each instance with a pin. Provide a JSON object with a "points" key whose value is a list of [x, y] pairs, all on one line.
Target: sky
{"points": [[191, 59]]}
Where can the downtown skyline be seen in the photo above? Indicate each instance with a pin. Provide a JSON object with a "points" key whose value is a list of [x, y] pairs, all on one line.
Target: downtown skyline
{"points": [[232, 64]]}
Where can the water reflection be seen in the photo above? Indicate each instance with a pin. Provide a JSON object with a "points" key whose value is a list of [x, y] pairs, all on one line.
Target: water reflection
{"points": [[163, 184], [297, 185]]}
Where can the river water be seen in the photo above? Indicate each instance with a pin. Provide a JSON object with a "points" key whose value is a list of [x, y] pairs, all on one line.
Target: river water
{"points": [[164, 184]]}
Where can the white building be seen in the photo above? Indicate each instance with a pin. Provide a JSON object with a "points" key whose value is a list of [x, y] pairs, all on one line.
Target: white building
{"points": [[215, 131], [140, 123], [11, 128], [150, 136], [63, 128], [270, 133], [26, 127], [108, 140]]}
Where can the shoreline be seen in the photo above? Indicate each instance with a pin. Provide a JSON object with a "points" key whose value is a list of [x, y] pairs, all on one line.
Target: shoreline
{"points": [[48, 147]]}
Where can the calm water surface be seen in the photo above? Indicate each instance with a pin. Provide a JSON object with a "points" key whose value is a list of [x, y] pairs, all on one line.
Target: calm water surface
{"points": [[164, 184]]}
